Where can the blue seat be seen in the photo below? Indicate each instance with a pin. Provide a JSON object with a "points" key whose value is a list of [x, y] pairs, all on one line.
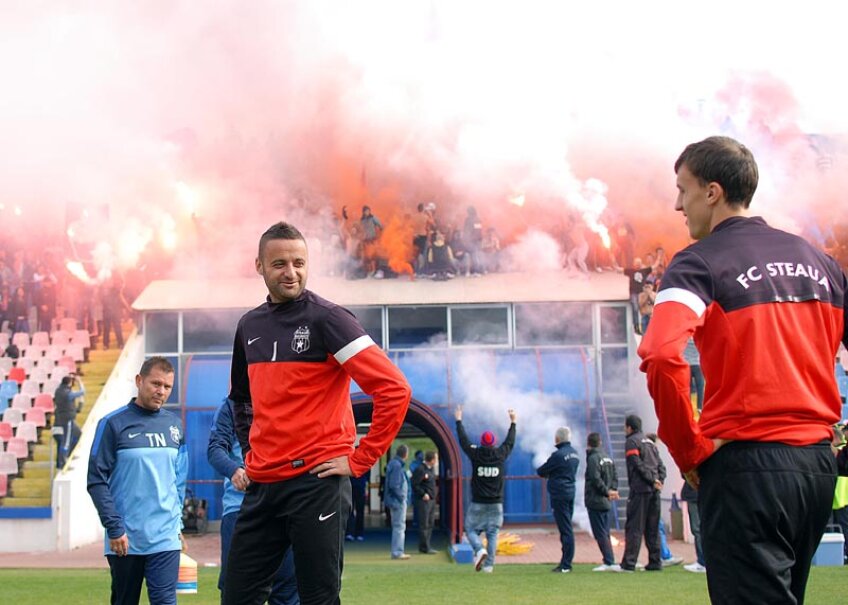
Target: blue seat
{"points": [[8, 389], [842, 381]]}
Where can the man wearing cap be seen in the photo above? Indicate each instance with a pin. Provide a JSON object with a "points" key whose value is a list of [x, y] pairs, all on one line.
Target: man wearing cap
{"points": [[487, 488]]}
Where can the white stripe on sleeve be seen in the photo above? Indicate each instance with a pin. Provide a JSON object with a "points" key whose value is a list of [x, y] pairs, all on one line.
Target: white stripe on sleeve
{"points": [[352, 348], [684, 297]]}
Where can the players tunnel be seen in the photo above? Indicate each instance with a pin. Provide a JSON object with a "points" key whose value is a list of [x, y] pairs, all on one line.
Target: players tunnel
{"points": [[423, 420]]}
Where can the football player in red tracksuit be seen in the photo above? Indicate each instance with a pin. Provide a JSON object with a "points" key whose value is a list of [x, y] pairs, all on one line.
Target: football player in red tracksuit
{"points": [[767, 311], [293, 359]]}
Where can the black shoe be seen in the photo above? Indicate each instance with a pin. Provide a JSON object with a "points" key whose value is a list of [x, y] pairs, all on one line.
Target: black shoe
{"points": [[653, 568], [429, 552], [561, 569]]}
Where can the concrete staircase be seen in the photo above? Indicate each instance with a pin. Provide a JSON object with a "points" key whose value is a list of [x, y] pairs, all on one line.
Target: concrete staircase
{"points": [[33, 486]]}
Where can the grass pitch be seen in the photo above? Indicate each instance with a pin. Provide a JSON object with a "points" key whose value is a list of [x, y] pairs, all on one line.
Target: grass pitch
{"points": [[371, 579]]}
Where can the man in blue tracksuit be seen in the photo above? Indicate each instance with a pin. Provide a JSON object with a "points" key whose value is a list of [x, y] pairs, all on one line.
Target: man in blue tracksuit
{"points": [[560, 471], [136, 478], [224, 454], [396, 497]]}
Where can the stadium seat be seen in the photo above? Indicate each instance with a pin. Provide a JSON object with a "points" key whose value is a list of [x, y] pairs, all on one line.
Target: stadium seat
{"points": [[68, 324], [37, 416], [5, 431], [8, 464], [26, 363], [81, 338], [35, 352], [69, 363], [60, 338], [5, 339], [13, 416], [46, 363], [21, 339], [39, 375], [31, 388], [41, 339], [17, 374], [75, 352], [18, 446], [8, 389], [55, 353], [51, 385], [6, 364], [4, 485], [27, 431], [21, 401], [44, 401]]}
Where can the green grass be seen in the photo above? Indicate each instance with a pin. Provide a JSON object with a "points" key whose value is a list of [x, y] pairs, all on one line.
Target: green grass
{"points": [[371, 578]]}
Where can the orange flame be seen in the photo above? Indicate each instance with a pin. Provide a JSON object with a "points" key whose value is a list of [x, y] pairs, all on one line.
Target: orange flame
{"points": [[396, 245]]}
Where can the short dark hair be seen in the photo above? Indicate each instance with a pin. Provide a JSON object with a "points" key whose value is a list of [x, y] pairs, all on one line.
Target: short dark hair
{"points": [[279, 230], [402, 451], [156, 362], [724, 161], [634, 422], [429, 456], [67, 380], [593, 440]]}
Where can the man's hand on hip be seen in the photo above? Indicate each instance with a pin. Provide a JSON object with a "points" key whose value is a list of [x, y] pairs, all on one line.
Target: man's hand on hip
{"points": [[333, 466]]}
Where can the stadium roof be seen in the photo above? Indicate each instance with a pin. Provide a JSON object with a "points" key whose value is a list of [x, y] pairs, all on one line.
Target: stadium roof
{"points": [[553, 286]]}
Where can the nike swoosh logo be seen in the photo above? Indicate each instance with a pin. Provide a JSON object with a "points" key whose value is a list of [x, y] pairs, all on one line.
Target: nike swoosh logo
{"points": [[133, 435], [325, 517], [252, 340]]}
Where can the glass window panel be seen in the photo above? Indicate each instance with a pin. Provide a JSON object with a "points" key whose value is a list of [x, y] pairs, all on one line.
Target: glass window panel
{"points": [[371, 319], [614, 370], [205, 331], [160, 334], [539, 324], [613, 324], [418, 327], [479, 326]]}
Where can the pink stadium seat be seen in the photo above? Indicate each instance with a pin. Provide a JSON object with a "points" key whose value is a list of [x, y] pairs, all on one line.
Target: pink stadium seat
{"points": [[18, 446], [60, 338], [17, 374], [26, 363], [35, 351], [41, 339], [22, 402], [31, 388], [13, 416], [5, 339], [6, 364], [36, 416], [81, 338], [68, 324], [27, 431], [8, 464], [5, 431], [51, 385], [21, 339], [4, 485], [69, 363], [76, 352], [39, 375], [44, 401], [45, 363]]}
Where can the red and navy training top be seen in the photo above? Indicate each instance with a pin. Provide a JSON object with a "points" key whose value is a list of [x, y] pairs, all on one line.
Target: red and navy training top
{"points": [[767, 311], [290, 384]]}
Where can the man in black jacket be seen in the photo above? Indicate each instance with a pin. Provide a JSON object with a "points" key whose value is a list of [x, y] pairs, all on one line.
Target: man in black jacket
{"points": [[561, 471], [424, 494], [487, 488], [66, 433], [601, 487], [645, 475]]}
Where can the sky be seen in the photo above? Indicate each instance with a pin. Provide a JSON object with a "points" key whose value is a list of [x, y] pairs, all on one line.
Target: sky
{"points": [[193, 126]]}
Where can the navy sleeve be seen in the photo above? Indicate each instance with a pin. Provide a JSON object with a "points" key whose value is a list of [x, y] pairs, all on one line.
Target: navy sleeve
{"points": [[100, 465], [221, 439], [240, 391], [687, 273], [547, 468], [464, 443], [181, 468], [342, 329]]}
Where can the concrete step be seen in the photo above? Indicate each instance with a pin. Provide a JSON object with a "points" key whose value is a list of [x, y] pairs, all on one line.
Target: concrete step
{"points": [[14, 502], [25, 487]]}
